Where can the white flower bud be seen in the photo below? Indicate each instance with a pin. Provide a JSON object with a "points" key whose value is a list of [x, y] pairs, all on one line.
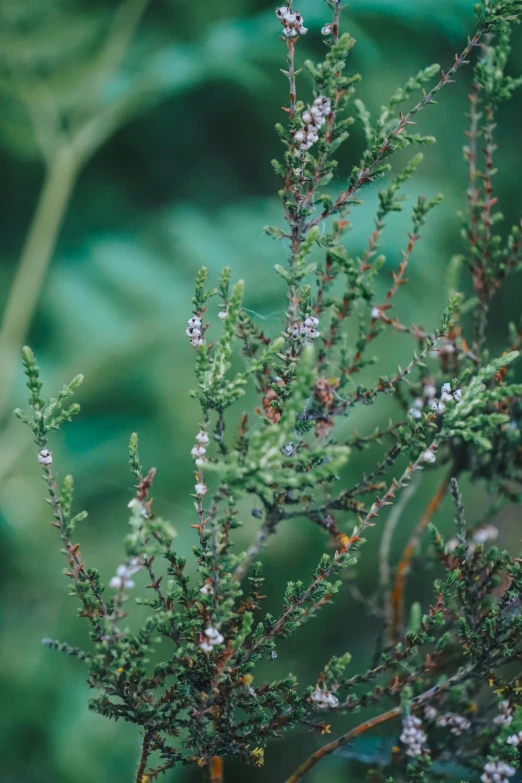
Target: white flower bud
{"points": [[192, 331], [194, 322], [306, 117], [438, 407], [206, 589], [428, 456], [45, 457], [202, 437], [201, 489], [198, 451], [327, 29], [299, 136], [223, 314]]}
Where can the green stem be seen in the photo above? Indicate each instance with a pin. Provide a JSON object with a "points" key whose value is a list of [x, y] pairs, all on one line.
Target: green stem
{"points": [[36, 254]]}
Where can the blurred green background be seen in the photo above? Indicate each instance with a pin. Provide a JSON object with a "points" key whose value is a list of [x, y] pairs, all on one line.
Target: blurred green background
{"points": [[175, 173]]}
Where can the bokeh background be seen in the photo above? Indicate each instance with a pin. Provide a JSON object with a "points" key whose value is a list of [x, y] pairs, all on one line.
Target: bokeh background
{"points": [[174, 172]]}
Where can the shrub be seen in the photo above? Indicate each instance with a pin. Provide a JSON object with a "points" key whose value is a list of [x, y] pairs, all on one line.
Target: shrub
{"points": [[188, 675]]}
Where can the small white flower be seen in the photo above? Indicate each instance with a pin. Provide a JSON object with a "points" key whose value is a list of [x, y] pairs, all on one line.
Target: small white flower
{"points": [[514, 740], [206, 589], [302, 29], [430, 712], [192, 331], [194, 322], [445, 388], [457, 394], [198, 451], [429, 391], [299, 136], [313, 334], [324, 699], [45, 457], [197, 341], [202, 437], [451, 545], [415, 413], [282, 12], [484, 534], [327, 29], [376, 313], [438, 407], [201, 489], [223, 314], [446, 397], [200, 462], [135, 503], [333, 701], [311, 320], [307, 117], [213, 635], [117, 583], [123, 580], [315, 111], [206, 646], [428, 456]]}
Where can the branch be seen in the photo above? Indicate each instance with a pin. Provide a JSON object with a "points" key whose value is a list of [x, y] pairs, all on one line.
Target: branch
{"points": [[384, 717], [397, 597]]}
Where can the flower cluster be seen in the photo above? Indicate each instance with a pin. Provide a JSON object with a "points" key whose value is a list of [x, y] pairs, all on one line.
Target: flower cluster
{"points": [[324, 699], [505, 715], [122, 580], [313, 118], [446, 395], [195, 331], [412, 735], [200, 449], [514, 739], [456, 723], [211, 639], [198, 453], [307, 329], [292, 22], [484, 534], [480, 536], [497, 772]]}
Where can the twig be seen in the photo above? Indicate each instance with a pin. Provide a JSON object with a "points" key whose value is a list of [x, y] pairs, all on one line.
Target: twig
{"points": [[384, 717], [386, 542], [366, 173], [258, 544], [216, 769], [397, 596], [145, 752]]}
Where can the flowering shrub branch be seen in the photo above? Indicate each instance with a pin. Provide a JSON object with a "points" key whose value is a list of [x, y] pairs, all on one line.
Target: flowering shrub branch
{"points": [[187, 674]]}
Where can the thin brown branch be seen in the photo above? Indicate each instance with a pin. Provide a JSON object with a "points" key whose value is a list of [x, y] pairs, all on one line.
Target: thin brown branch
{"points": [[384, 717], [397, 596]]}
